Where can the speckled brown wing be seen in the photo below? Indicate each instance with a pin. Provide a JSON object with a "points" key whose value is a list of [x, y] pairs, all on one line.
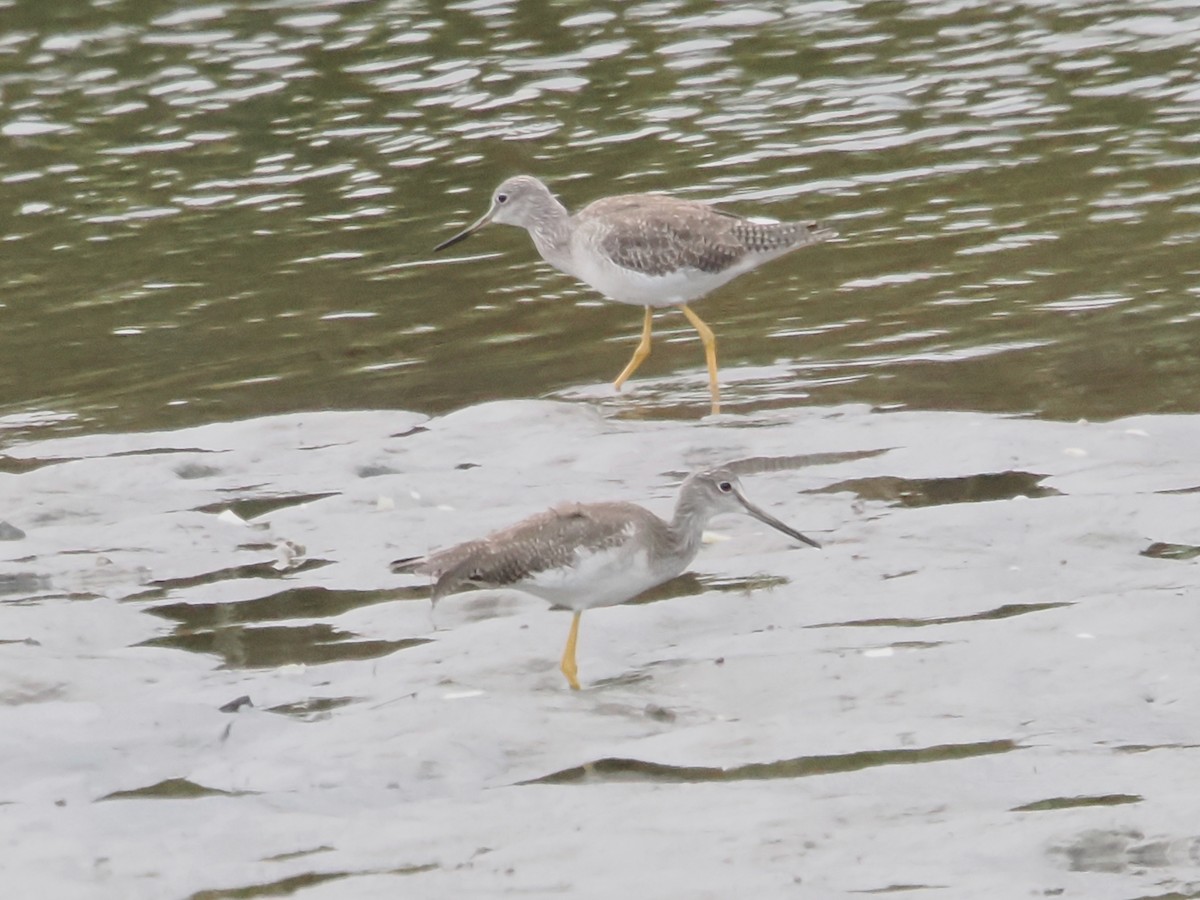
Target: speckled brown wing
{"points": [[545, 541], [656, 235]]}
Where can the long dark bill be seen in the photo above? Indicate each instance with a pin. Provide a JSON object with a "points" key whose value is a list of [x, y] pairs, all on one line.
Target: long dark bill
{"points": [[767, 519], [466, 232]]}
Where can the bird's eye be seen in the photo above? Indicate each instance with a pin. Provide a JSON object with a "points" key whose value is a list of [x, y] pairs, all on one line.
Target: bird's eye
{"points": [[724, 487], [502, 198]]}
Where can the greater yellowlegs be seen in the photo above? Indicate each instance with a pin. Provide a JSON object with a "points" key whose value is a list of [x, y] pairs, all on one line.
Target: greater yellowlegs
{"points": [[646, 250], [582, 555]]}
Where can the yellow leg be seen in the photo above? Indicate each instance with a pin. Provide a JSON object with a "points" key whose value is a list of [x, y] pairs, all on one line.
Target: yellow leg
{"points": [[568, 661], [642, 351], [710, 355]]}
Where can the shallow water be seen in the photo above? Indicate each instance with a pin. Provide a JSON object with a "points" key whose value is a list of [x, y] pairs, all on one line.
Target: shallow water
{"points": [[224, 211], [234, 384]]}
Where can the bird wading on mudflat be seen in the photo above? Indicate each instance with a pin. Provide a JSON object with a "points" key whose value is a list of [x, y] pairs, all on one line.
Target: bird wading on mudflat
{"points": [[584, 555], [648, 250]]}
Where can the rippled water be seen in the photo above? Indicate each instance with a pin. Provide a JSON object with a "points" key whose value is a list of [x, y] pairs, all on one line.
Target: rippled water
{"points": [[228, 209], [211, 685]]}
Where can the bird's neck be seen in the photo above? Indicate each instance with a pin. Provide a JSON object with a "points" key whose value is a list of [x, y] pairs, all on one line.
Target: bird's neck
{"points": [[551, 233], [687, 526]]}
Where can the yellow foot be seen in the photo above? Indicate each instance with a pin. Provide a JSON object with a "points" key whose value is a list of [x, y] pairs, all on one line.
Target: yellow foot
{"points": [[571, 679], [710, 356], [568, 666], [639, 354]]}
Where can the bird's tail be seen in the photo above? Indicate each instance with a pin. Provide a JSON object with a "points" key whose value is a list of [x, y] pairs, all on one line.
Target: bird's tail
{"points": [[780, 237]]}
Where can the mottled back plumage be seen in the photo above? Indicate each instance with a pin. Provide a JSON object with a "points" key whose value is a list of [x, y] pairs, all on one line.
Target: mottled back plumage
{"points": [[648, 250], [655, 234], [549, 540], [583, 555]]}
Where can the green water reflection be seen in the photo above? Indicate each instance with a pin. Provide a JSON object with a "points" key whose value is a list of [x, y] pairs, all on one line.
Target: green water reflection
{"points": [[227, 211]]}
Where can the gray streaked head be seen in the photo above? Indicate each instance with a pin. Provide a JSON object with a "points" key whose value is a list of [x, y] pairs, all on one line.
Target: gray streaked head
{"points": [[714, 491], [521, 200]]}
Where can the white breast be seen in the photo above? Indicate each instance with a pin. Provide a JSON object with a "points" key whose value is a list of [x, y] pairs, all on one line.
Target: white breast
{"points": [[601, 578], [627, 286]]}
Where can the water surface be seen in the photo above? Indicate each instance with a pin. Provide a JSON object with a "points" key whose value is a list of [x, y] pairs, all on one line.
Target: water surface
{"points": [[235, 382], [228, 210]]}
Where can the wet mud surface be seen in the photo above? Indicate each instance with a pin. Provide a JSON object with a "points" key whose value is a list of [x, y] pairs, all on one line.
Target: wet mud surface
{"points": [[983, 685]]}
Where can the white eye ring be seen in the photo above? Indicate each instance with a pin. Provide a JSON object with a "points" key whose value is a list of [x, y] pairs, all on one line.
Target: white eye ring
{"points": [[502, 198], [724, 487]]}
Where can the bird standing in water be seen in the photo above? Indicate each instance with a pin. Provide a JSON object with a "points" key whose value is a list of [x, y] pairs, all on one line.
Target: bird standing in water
{"points": [[584, 555], [646, 250]]}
